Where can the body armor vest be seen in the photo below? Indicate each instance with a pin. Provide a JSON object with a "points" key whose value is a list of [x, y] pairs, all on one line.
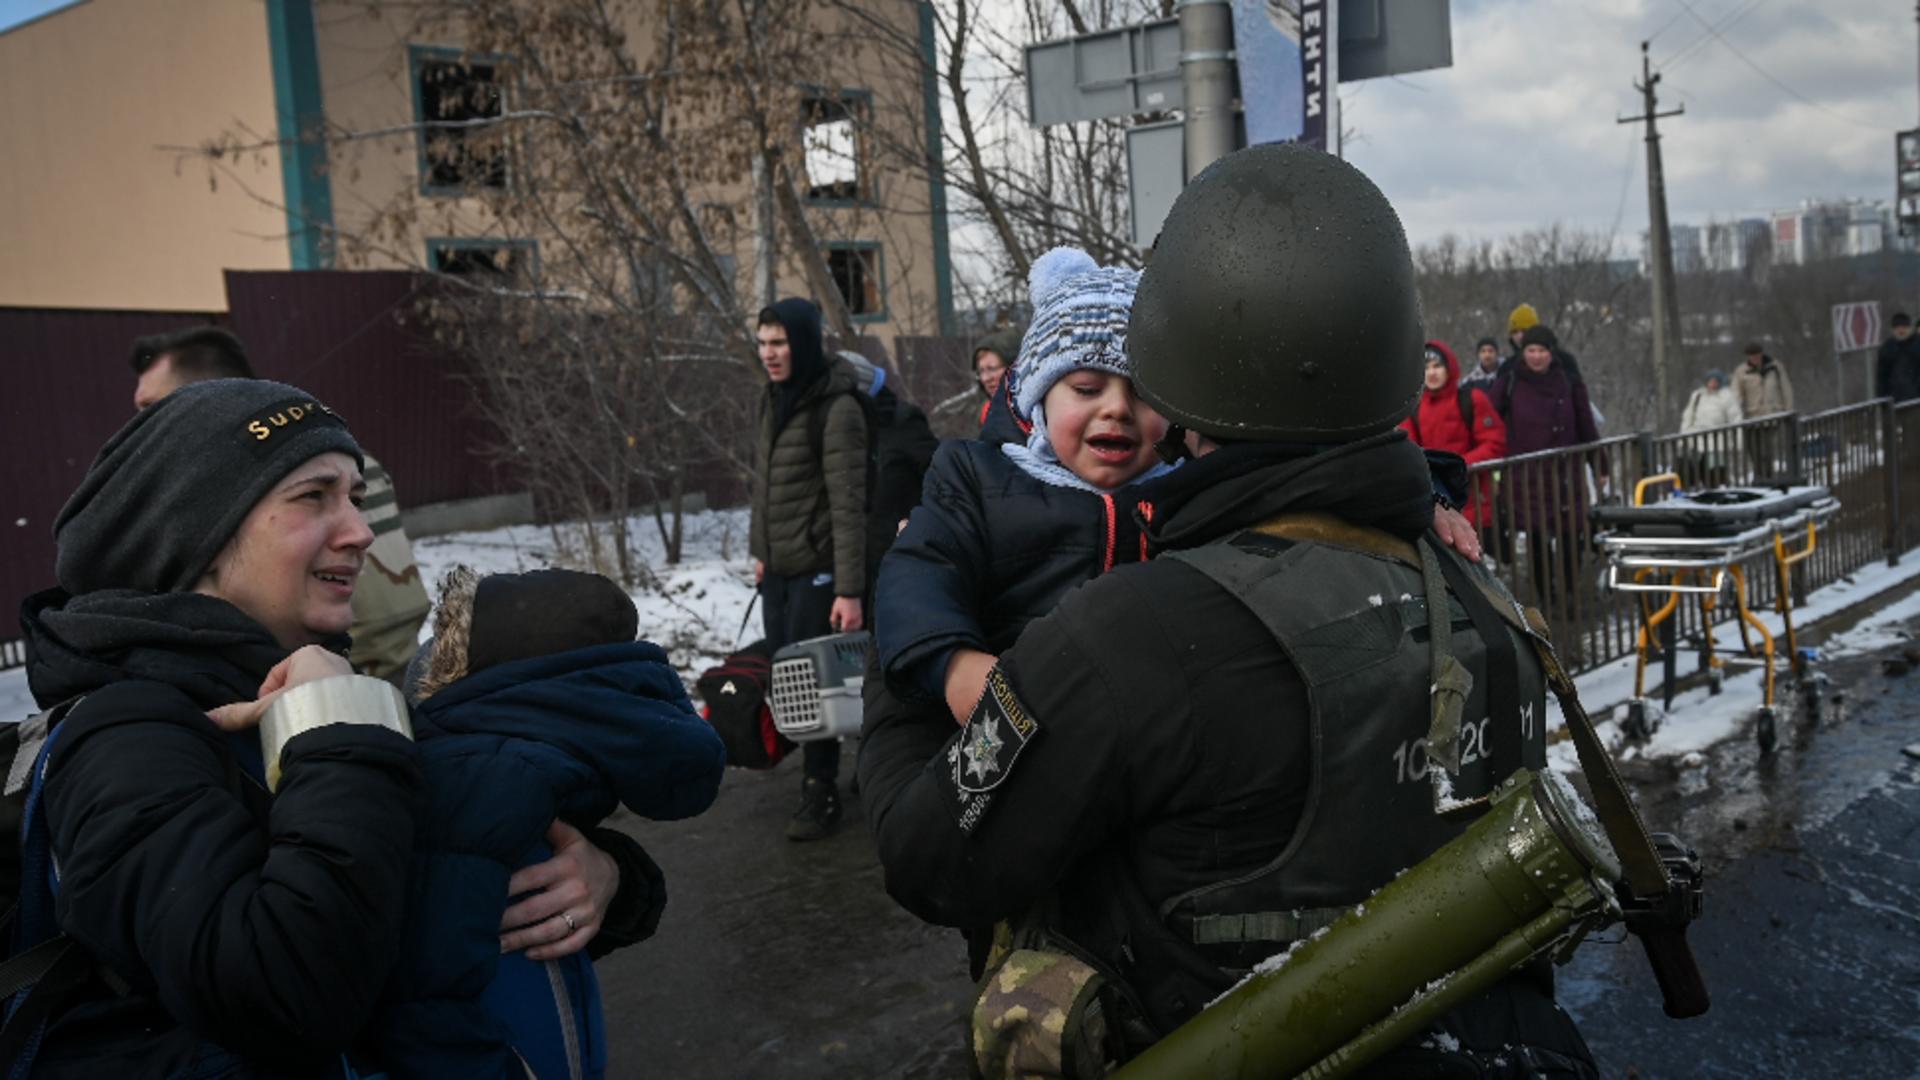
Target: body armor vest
{"points": [[1349, 609]]}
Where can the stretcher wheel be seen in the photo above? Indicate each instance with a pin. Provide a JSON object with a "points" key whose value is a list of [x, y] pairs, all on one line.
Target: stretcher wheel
{"points": [[1765, 730], [1638, 724], [1716, 680]]}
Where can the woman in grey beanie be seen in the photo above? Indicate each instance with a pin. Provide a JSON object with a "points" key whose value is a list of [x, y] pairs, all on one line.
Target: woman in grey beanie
{"points": [[233, 897]]}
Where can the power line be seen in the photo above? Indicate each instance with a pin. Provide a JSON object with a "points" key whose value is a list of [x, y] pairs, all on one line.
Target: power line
{"points": [[1767, 75], [1665, 26], [1626, 185], [1726, 23]]}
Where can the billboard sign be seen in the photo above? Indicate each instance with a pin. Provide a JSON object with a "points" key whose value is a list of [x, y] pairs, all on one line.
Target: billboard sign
{"points": [[1284, 51], [1266, 46], [1906, 171]]}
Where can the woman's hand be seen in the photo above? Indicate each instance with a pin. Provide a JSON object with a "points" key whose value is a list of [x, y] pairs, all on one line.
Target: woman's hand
{"points": [[1457, 532], [309, 663], [967, 675], [571, 894]]}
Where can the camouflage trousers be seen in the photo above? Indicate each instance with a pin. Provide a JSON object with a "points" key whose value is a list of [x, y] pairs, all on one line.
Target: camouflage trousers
{"points": [[1039, 1013]]}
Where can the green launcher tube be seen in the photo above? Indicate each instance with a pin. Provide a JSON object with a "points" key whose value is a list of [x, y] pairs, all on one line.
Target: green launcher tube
{"points": [[1518, 882]]}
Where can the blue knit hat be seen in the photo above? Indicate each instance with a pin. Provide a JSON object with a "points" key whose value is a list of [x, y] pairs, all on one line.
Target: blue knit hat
{"points": [[1080, 312]]}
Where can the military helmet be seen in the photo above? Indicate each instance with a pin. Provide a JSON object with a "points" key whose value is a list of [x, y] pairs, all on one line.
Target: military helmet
{"points": [[1279, 304]]}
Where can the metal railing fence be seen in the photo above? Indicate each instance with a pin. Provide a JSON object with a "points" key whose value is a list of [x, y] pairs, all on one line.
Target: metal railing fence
{"points": [[1541, 536]]}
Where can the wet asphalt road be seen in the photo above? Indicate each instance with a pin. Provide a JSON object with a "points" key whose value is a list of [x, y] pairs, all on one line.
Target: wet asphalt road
{"points": [[1811, 940], [777, 959], [787, 960]]}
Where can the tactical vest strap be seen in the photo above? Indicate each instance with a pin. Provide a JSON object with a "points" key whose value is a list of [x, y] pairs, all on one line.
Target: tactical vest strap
{"points": [[1278, 927], [1319, 528], [1451, 681]]}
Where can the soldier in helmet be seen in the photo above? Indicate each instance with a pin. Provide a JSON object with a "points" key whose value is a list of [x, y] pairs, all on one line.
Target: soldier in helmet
{"points": [[1194, 762]]}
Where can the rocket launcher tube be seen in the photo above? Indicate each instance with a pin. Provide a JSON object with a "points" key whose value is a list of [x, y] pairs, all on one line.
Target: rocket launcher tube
{"points": [[1521, 880]]}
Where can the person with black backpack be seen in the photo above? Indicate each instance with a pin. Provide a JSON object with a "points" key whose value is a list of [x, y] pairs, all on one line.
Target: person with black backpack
{"points": [[1460, 419], [808, 531]]}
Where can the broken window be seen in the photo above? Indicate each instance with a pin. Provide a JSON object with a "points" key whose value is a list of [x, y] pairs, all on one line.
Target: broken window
{"points": [[856, 273], [500, 259], [833, 144], [450, 95]]}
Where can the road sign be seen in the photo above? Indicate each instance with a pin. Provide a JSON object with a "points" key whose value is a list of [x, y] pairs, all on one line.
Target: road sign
{"points": [[1906, 172], [1156, 174], [1156, 171], [1856, 326], [1123, 72], [1380, 38], [1136, 69]]}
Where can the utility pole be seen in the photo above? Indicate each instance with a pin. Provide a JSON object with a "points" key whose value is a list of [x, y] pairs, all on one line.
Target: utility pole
{"points": [[1666, 306], [1206, 76]]}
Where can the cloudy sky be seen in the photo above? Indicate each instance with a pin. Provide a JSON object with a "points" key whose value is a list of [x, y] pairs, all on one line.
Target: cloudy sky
{"points": [[1521, 130], [1794, 99]]}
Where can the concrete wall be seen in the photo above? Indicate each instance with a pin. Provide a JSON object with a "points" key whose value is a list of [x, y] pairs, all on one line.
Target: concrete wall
{"points": [[91, 213]]}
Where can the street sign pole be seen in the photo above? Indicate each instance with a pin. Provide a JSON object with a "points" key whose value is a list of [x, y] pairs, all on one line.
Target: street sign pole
{"points": [[1206, 76], [1285, 71]]}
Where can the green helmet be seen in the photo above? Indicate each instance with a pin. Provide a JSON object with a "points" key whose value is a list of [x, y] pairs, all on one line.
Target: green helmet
{"points": [[1279, 304]]}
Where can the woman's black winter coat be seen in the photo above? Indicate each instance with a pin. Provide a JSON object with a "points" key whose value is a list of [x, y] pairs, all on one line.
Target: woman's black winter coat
{"points": [[255, 932], [988, 550]]}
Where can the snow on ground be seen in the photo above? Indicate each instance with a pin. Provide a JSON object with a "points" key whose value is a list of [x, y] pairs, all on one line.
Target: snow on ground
{"points": [[693, 610], [1699, 718], [15, 702]]}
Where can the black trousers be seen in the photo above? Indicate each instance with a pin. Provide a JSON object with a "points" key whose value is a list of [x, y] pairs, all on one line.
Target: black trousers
{"points": [[795, 609]]}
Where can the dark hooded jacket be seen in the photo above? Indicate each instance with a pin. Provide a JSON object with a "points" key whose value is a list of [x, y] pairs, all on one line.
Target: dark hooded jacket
{"points": [[504, 752], [1549, 410], [809, 499], [989, 549], [1897, 369], [255, 932], [1166, 748]]}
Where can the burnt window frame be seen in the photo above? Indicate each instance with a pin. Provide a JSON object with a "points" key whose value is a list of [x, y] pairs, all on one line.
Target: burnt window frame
{"points": [[418, 56], [857, 102], [881, 314], [529, 250]]}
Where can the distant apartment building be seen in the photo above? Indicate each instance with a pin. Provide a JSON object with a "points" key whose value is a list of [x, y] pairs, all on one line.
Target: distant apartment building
{"points": [[1811, 231], [1733, 245], [105, 201], [1829, 230]]}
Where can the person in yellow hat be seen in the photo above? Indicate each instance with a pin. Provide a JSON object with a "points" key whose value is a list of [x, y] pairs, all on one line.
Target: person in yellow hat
{"points": [[1522, 318]]}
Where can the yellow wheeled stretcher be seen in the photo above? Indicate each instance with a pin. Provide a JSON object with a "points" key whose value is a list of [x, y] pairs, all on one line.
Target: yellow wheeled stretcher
{"points": [[1693, 544]]}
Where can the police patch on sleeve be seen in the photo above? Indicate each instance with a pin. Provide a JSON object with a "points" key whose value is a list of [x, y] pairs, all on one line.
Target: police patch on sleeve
{"points": [[981, 758]]}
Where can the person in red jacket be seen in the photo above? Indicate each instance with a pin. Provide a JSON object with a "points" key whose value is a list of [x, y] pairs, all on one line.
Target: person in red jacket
{"points": [[1460, 419]]}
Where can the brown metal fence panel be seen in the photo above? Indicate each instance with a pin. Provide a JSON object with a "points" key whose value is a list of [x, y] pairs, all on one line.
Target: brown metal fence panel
{"points": [[937, 375], [67, 388], [352, 339]]}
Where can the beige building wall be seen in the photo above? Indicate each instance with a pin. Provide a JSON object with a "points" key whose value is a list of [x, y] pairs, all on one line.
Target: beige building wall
{"points": [[366, 85], [92, 215]]}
